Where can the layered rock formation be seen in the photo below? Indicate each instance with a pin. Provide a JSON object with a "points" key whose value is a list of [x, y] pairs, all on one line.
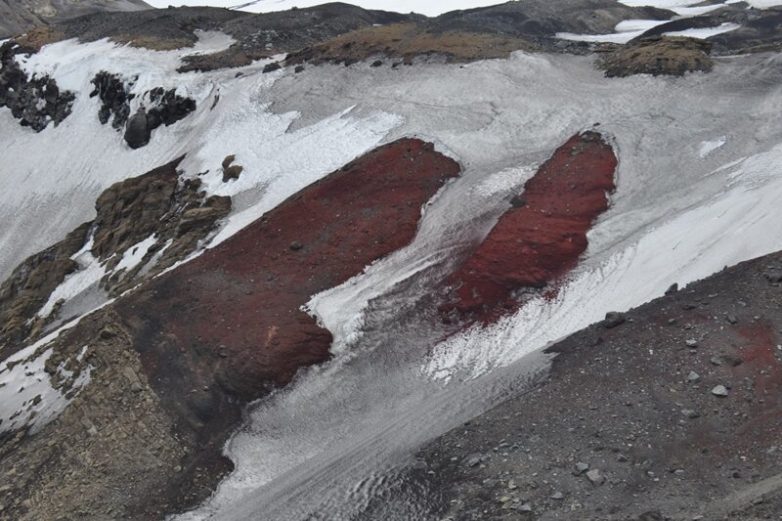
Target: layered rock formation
{"points": [[543, 234]]}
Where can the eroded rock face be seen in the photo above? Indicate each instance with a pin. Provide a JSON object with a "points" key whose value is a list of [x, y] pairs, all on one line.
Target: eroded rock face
{"points": [[30, 284], [35, 102], [659, 55], [542, 234]]}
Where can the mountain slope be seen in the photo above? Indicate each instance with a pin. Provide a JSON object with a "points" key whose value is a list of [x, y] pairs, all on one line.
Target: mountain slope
{"points": [[17, 16]]}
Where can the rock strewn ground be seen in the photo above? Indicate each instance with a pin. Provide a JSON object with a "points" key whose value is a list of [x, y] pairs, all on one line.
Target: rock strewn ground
{"points": [[672, 411], [543, 234]]}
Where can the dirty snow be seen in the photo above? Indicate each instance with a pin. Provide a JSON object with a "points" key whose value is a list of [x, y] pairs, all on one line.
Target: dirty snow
{"points": [[27, 396]]}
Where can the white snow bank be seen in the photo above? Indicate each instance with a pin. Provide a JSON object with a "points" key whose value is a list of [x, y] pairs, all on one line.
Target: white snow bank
{"points": [[135, 254], [706, 32]]}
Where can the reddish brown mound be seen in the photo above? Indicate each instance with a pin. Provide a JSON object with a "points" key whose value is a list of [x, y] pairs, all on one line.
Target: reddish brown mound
{"points": [[542, 236], [233, 316]]}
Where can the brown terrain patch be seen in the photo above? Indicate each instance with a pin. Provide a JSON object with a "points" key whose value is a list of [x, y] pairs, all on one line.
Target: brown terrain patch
{"points": [[234, 56], [153, 43], [658, 55], [406, 41], [34, 39], [542, 235]]}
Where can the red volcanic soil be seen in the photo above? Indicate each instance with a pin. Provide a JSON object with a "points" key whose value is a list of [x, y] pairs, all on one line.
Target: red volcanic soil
{"points": [[228, 325], [542, 236]]}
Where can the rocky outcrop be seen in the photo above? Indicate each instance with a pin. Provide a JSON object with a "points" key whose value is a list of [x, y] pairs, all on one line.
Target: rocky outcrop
{"points": [[29, 286], [176, 213], [35, 102], [114, 94], [166, 107], [658, 55], [543, 233], [234, 56]]}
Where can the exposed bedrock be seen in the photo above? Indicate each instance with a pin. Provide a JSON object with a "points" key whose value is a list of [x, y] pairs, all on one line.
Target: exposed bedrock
{"points": [[159, 204], [659, 56], [543, 233], [35, 101]]}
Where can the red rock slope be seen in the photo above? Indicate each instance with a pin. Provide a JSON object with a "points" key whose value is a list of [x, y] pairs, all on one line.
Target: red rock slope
{"points": [[541, 237], [232, 317]]}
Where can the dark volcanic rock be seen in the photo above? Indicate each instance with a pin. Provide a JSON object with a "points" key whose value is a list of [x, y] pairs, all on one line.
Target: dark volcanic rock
{"points": [[114, 94], [138, 131], [539, 240], [658, 55], [35, 102], [166, 108]]}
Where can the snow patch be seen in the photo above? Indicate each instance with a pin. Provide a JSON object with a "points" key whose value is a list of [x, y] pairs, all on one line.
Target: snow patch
{"points": [[27, 396], [90, 272], [706, 32], [707, 147], [135, 254]]}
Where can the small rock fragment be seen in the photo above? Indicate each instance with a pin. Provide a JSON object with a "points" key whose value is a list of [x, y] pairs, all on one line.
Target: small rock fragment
{"points": [[720, 391], [595, 477], [693, 377], [691, 342], [613, 319], [580, 468]]}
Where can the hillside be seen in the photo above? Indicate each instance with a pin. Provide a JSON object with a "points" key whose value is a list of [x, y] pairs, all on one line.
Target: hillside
{"points": [[269, 265]]}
